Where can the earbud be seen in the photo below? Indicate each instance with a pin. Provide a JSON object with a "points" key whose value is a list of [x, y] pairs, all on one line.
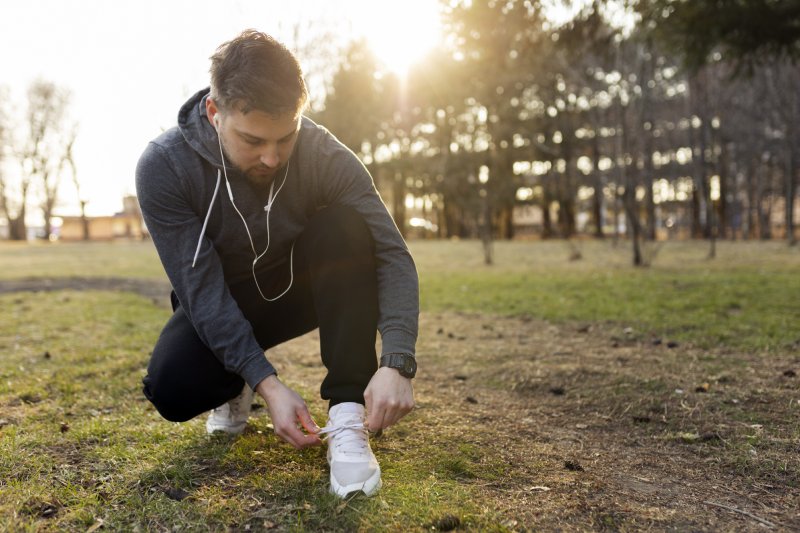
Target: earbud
{"points": [[216, 121]]}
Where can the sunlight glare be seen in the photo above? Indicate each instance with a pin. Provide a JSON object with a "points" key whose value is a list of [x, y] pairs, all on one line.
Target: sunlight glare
{"points": [[400, 33]]}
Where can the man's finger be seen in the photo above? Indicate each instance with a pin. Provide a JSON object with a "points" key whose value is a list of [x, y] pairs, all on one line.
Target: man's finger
{"points": [[307, 421], [373, 419], [368, 401], [306, 439], [392, 416], [298, 439], [377, 420]]}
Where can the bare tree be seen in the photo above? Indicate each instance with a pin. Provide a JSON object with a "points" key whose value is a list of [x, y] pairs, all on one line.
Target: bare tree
{"points": [[317, 48], [69, 159], [14, 187], [44, 150], [4, 135], [13, 201]]}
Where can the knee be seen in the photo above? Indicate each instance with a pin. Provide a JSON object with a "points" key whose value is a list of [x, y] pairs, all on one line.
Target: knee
{"points": [[168, 400], [340, 228]]}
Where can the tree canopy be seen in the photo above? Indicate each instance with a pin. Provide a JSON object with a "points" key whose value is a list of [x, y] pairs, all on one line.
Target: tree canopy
{"points": [[743, 31]]}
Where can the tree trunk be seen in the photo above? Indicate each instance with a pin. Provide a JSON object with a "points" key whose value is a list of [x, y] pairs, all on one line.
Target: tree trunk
{"points": [[697, 224], [566, 193], [566, 217], [724, 226], [791, 197], [486, 228], [650, 204], [792, 170], [599, 186], [697, 142], [702, 185], [47, 213], [17, 230], [647, 146], [764, 211], [85, 221], [547, 221], [505, 221], [634, 228], [752, 199], [616, 213], [455, 217]]}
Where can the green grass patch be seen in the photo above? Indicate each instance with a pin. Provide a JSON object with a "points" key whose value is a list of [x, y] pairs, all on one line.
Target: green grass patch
{"points": [[79, 443], [746, 298], [74, 259]]}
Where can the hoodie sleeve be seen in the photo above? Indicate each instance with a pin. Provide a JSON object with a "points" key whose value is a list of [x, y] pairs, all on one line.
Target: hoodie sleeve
{"points": [[202, 291], [344, 180]]}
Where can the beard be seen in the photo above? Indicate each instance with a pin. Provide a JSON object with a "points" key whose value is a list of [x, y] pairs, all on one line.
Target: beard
{"points": [[260, 174]]}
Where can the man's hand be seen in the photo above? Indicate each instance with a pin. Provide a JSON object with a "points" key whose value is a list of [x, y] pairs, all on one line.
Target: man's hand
{"points": [[287, 408], [389, 397]]}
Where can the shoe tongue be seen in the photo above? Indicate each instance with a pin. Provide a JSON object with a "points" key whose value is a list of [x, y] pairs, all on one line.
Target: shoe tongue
{"points": [[347, 407], [346, 412]]}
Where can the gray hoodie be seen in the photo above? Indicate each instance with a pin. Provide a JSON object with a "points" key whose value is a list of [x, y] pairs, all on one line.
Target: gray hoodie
{"points": [[175, 181]]}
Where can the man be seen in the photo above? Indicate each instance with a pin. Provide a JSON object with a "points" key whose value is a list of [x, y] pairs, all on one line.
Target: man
{"points": [[268, 228]]}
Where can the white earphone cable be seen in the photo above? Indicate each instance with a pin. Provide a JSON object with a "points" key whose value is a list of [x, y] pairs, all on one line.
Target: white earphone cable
{"points": [[268, 209]]}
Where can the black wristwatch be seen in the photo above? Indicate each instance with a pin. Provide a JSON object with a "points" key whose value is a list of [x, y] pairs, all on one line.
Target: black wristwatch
{"points": [[404, 363]]}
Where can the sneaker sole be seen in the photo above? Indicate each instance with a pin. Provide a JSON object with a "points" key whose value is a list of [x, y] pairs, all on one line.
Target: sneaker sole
{"points": [[369, 487], [230, 430]]}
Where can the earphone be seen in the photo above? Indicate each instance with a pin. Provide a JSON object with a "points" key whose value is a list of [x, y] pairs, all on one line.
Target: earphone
{"points": [[273, 195]]}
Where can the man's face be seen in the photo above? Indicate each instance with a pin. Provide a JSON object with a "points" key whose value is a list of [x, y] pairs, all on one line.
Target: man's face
{"points": [[256, 143]]}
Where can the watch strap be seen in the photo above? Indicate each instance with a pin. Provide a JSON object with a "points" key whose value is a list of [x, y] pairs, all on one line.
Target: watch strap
{"points": [[404, 363]]}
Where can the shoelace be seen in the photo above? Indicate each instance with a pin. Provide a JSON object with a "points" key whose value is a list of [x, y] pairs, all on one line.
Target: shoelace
{"points": [[346, 438]]}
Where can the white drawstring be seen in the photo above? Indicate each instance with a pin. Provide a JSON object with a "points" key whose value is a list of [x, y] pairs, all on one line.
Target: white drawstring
{"points": [[205, 222]]}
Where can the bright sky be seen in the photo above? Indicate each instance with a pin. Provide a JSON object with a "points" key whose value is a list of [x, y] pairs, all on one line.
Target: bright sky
{"points": [[131, 64]]}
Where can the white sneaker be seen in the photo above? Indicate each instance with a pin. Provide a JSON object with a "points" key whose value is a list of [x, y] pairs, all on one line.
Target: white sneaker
{"points": [[231, 417], [353, 465]]}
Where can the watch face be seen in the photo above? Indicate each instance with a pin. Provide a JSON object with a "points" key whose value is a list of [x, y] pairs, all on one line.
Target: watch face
{"points": [[405, 364]]}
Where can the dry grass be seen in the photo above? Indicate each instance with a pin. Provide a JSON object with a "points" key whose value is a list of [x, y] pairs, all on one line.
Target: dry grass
{"points": [[606, 433]]}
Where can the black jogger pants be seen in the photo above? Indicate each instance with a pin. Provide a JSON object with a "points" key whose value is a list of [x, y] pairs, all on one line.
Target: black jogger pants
{"points": [[334, 288]]}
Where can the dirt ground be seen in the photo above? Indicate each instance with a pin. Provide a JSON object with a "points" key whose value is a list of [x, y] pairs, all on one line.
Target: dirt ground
{"points": [[622, 432], [157, 291], [592, 426]]}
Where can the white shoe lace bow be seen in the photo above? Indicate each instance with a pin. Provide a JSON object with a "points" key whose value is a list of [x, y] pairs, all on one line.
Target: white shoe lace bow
{"points": [[348, 435]]}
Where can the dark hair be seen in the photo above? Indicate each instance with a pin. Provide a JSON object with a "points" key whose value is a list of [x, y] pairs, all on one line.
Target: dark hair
{"points": [[254, 71]]}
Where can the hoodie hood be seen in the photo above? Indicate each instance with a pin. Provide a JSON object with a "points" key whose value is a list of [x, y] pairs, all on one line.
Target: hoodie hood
{"points": [[197, 130]]}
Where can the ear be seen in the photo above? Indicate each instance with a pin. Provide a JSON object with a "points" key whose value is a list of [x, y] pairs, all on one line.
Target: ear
{"points": [[211, 110]]}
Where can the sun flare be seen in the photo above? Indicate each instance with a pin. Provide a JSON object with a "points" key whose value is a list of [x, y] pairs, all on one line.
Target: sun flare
{"points": [[401, 33]]}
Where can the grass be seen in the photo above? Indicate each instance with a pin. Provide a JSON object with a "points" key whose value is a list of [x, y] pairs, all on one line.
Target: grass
{"points": [[80, 443], [97, 259], [80, 446], [746, 298]]}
